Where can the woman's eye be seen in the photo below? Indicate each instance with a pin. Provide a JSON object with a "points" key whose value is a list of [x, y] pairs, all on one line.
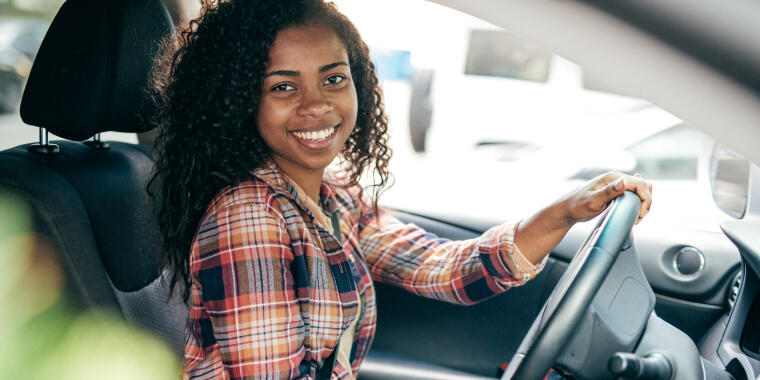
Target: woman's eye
{"points": [[335, 79], [283, 88]]}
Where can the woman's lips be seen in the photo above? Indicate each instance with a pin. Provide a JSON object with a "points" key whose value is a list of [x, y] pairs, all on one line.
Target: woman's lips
{"points": [[316, 139], [315, 135]]}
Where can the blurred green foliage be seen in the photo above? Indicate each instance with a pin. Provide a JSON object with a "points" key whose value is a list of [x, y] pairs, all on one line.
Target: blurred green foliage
{"points": [[41, 8], [42, 337]]}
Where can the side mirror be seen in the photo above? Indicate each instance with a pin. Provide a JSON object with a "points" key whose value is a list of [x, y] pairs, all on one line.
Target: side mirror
{"points": [[729, 178]]}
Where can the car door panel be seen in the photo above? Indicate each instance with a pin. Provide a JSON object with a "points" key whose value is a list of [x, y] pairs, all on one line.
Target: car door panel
{"points": [[474, 339]]}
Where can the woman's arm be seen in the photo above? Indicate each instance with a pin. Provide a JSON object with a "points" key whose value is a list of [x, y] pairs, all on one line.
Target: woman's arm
{"points": [[245, 317], [469, 271], [462, 272], [539, 234]]}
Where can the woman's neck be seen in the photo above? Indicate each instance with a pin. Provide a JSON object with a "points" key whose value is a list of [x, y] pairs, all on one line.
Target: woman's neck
{"points": [[310, 186], [310, 181]]}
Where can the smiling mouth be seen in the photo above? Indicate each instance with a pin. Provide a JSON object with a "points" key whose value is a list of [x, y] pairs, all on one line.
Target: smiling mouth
{"points": [[320, 135]]}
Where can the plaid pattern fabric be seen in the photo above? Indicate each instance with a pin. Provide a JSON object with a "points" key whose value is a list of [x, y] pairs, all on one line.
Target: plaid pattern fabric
{"points": [[273, 290]]}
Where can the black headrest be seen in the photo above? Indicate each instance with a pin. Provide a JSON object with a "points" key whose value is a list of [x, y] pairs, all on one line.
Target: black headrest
{"points": [[93, 67]]}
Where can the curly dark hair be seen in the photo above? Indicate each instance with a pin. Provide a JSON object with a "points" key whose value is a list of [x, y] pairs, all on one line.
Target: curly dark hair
{"points": [[207, 87]]}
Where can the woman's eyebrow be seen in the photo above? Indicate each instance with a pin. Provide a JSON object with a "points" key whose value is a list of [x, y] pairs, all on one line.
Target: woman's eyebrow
{"points": [[291, 73], [332, 66], [287, 73]]}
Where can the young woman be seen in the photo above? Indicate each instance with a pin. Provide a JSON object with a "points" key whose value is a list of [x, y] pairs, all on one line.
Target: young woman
{"points": [[277, 252]]}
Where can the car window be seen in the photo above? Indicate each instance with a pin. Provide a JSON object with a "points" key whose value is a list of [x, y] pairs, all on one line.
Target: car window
{"points": [[489, 107]]}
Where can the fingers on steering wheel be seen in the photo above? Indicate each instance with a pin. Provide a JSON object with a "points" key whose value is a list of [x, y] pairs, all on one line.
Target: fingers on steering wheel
{"points": [[617, 187], [633, 183], [613, 187], [644, 191]]}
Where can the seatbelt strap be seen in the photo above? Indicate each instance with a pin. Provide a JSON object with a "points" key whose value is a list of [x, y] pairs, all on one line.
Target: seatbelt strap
{"points": [[336, 226], [326, 371]]}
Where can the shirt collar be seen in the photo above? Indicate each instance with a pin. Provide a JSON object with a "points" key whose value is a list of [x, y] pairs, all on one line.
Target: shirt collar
{"points": [[271, 174]]}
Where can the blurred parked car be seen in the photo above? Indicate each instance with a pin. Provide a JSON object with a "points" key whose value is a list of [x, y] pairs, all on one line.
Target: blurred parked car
{"points": [[516, 81], [20, 38]]}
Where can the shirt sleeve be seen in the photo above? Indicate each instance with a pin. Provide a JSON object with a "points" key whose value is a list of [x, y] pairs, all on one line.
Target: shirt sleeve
{"points": [[519, 266], [463, 272], [245, 315]]}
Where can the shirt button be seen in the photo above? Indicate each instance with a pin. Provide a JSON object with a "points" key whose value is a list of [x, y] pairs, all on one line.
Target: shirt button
{"points": [[351, 258]]}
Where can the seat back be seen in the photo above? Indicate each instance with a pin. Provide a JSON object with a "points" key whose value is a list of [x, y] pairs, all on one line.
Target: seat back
{"points": [[90, 200]]}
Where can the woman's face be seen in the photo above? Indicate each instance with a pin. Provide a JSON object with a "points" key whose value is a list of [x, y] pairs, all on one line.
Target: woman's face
{"points": [[308, 106]]}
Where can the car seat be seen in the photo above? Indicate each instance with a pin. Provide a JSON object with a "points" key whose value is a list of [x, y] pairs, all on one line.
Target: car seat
{"points": [[89, 199]]}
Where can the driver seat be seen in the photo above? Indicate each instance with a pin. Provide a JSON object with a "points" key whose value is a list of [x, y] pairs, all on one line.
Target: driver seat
{"points": [[89, 199]]}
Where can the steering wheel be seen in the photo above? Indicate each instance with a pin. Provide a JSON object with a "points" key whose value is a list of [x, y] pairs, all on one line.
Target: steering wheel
{"points": [[574, 292]]}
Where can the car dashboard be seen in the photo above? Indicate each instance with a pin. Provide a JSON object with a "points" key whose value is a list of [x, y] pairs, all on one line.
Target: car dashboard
{"points": [[739, 346], [717, 306]]}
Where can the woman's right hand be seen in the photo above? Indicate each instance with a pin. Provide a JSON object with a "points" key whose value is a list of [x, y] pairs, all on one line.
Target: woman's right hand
{"points": [[591, 199], [539, 234]]}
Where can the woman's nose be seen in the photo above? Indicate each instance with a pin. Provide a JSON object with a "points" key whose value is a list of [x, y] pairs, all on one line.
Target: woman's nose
{"points": [[314, 103]]}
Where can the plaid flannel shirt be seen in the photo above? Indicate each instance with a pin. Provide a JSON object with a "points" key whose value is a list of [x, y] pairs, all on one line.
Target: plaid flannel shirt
{"points": [[273, 290]]}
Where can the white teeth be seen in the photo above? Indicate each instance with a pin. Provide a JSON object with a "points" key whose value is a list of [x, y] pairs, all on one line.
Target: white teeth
{"points": [[315, 136]]}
